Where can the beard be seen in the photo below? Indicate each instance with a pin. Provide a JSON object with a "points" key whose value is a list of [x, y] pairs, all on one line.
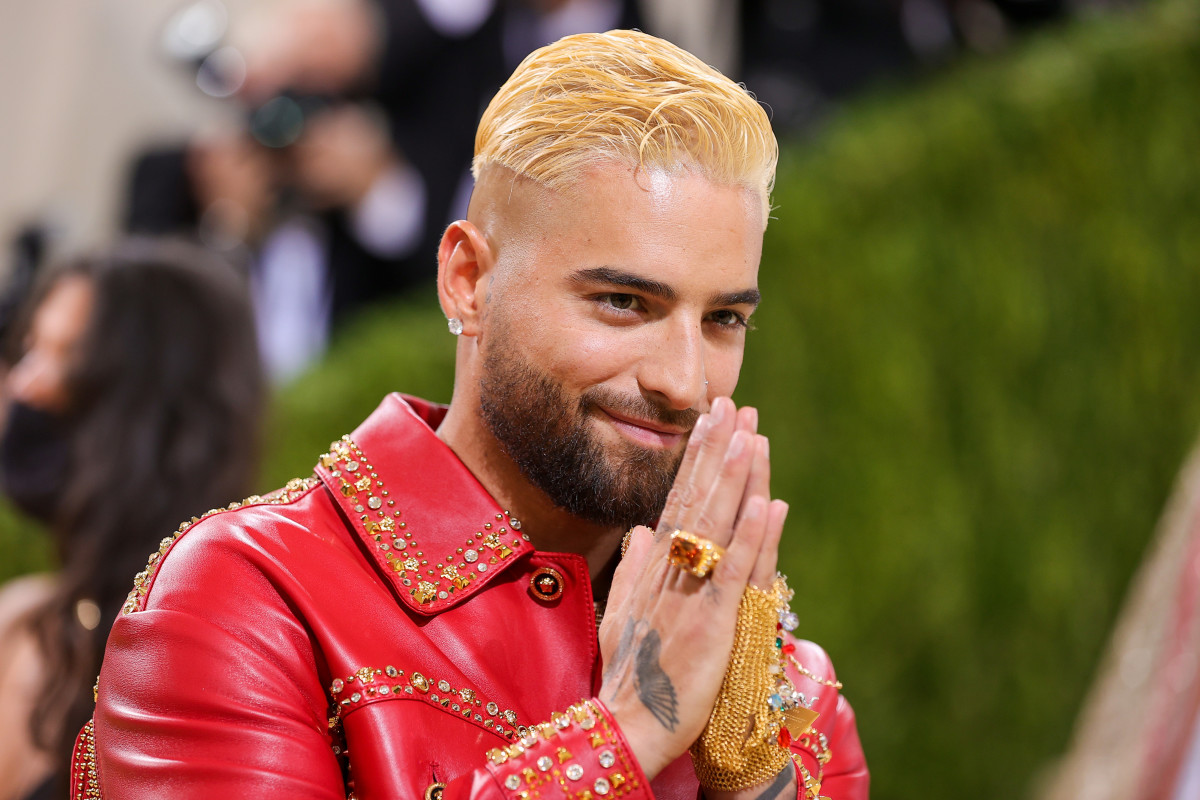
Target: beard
{"points": [[550, 440]]}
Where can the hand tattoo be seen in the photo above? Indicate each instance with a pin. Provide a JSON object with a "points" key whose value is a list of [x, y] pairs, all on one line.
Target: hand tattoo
{"points": [[654, 688], [623, 648]]}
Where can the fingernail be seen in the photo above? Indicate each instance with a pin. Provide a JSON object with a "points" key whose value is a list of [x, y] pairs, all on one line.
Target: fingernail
{"points": [[764, 444], [753, 412], [737, 444], [702, 425]]}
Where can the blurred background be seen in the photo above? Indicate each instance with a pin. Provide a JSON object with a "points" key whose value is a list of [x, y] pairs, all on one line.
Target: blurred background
{"points": [[978, 359]]}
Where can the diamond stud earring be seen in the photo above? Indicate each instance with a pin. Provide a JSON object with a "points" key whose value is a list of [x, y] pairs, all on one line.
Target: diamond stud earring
{"points": [[455, 325]]}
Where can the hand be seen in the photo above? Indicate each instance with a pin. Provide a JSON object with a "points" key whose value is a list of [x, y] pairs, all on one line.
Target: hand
{"points": [[342, 153], [667, 635], [309, 46]]}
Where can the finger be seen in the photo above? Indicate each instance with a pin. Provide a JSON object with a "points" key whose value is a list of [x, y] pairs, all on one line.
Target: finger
{"points": [[747, 419], [759, 482], [630, 573], [733, 570], [688, 495], [683, 475], [716, 519], [768, 555]]}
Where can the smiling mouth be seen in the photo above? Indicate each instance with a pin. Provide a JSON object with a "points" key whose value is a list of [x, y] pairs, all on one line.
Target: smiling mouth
{"points": [[645, 432]]}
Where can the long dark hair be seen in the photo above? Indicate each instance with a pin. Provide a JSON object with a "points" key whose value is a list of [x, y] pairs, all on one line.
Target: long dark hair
{"points": [[165, 408]]}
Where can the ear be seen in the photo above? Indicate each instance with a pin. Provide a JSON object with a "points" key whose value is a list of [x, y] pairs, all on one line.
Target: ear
{"points": [[465, 262]]}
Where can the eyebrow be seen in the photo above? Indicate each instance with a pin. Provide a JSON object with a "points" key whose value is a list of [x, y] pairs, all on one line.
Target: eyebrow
{"points": [[746, 297], [617, 277]]}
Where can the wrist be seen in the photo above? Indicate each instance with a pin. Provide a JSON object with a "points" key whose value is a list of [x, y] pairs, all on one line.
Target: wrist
{"points": [[784, 786], [643, 736], [580, 749]]}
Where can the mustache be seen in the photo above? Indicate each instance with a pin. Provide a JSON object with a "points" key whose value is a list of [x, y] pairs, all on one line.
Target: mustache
{"points": [[639, 407]]}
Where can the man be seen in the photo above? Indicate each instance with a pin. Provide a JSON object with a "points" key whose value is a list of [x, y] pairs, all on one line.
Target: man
{"points": [[434, 592]]}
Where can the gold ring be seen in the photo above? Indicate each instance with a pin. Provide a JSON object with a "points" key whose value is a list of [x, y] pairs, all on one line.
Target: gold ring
{"points": [[693, 553]]}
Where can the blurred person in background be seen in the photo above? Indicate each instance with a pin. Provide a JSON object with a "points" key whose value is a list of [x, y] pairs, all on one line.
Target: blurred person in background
{"points": [[802, 57], [355, 152], [322, 226], [430, 64], [134, 403], [1138, 735]]}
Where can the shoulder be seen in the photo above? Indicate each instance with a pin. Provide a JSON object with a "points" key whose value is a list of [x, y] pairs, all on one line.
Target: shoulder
{"points": [[834, 763], [810, 670], [238, 527]]}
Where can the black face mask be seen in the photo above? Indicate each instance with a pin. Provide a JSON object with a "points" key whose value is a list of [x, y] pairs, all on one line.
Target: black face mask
{"points": [[35, 454]]}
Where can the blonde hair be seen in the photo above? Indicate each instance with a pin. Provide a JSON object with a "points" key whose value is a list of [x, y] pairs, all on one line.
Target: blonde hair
{"points": [[629, 97]]}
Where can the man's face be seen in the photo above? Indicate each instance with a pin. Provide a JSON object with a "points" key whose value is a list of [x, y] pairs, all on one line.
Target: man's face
{"points": [[617, 311]]}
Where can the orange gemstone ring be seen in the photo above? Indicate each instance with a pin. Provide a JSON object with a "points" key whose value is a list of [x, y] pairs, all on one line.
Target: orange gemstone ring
{"points": [[694, 554]]}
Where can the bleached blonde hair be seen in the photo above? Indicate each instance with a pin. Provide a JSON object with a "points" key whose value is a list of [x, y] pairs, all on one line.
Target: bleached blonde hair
{"points": [[629, 97]]}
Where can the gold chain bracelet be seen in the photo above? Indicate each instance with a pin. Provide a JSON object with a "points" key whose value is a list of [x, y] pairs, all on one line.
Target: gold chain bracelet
{"points": [[804, 671]]}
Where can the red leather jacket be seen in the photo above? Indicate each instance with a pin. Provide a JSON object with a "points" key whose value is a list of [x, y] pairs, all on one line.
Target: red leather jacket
{"points": [[378, 631]]}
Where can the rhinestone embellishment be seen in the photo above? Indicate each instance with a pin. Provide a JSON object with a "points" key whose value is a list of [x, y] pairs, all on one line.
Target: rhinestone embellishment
{"points": [[358, 482]]}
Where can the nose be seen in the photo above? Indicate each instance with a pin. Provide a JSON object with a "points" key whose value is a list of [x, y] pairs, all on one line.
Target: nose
{"points": [[672, 366]]}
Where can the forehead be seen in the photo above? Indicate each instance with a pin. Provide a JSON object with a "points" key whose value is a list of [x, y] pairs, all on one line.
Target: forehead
{"points": [[675, 227]]}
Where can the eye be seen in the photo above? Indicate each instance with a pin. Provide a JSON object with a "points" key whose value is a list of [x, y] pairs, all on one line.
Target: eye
{"points": [[622, 302], [727, 318]]}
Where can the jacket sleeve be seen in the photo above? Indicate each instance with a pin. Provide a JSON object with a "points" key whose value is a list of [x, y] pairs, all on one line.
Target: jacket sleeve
{"points": [[829, 758], [579, 753]]}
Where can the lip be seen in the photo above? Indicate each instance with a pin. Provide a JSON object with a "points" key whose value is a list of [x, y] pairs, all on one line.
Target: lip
{"points": [[644, 432]]}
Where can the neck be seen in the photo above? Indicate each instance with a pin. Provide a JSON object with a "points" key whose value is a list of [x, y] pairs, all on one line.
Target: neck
{"points": [[549, 527]]}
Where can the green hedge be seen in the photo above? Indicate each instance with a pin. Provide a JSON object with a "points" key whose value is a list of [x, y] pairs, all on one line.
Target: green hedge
{"points": [[979, 364]]}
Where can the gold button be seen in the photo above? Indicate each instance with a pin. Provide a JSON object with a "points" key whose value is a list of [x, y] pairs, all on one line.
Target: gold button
{"points": [[546, 584]]}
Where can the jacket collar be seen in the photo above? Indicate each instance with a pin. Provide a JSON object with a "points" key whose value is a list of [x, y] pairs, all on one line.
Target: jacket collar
{"points": [[434, 531]]}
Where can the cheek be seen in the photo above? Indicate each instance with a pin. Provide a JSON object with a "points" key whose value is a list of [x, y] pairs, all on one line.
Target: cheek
{"points": [[723, 369], [586, 355], [577, 352]]}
